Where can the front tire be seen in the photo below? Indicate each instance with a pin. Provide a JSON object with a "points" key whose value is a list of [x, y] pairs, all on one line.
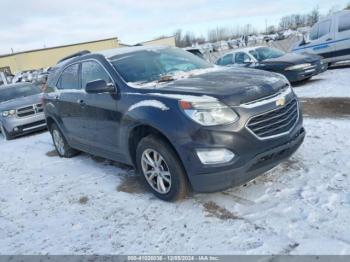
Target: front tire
{"points": [[161, 169], [60, 143]]}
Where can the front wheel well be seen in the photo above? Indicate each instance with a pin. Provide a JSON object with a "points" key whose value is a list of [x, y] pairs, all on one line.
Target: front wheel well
{"points": [[140, 132], [49, 122]]}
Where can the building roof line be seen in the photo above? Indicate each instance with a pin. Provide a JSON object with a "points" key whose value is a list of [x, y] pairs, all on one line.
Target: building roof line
{"points": [[56, 47]]}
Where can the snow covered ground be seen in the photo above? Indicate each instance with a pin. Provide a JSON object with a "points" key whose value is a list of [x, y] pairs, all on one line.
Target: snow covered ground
{"points": [[87, 205], [332, 83]]}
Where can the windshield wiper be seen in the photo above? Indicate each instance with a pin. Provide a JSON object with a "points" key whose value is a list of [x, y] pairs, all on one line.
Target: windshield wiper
{"points": [[166, 78]]}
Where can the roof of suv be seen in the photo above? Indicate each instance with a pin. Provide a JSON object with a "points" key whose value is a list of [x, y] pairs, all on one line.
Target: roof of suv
{"points": [[110, 53]]}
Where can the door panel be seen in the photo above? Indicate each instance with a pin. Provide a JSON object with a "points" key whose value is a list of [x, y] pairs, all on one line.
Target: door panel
{"points": [[101, 112]]}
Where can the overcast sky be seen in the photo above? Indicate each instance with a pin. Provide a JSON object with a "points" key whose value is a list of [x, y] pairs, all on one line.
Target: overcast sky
{"points": [[31, 24]]}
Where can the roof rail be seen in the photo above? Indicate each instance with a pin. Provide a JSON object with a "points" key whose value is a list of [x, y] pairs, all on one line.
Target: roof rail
{"points": [[80, 53]]}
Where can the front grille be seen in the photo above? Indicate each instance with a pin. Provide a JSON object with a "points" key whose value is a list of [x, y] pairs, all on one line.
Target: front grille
{"points": [[30, 110], [275, 122], [25, 111]]}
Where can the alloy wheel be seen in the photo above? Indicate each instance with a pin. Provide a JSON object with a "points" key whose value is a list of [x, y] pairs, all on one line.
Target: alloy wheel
{"points": [[156, 171], [58, 140]]}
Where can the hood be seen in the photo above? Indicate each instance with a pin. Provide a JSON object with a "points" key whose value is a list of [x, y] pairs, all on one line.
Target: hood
{"points": [[232, 86], [20, 102], [294, 59]]}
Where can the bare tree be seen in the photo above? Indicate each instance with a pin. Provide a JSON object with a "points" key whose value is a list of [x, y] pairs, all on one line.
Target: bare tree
{"points": [[313, 17]]}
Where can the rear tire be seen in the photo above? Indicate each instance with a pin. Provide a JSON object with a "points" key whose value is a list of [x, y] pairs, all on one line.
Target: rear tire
{"points": [[5, 134], [161, 169], [60, 143]]}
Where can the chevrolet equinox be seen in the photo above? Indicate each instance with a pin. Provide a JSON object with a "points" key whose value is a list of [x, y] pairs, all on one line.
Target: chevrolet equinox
{"points": [[181, 122]]}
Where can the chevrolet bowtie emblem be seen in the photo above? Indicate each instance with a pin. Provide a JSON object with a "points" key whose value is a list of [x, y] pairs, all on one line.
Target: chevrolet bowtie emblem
{"points": [[281, 101]]}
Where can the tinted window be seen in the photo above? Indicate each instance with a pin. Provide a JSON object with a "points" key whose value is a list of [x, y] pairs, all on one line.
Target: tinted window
{"points": [[13, 92], [241, 58], [151, 65], [344, 23], [226, 60], [70, 78], [324, 28], [91, 71]]}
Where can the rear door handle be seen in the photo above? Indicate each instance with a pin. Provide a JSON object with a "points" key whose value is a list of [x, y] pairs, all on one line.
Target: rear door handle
{"points": [[329, 39], [81, 102]]}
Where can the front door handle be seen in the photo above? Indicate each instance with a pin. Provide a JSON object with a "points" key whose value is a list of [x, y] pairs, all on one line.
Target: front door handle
{"points": [[329, 39], [81, 102]]}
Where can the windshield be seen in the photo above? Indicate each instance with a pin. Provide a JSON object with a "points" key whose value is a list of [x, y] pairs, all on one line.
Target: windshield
{"points": [[263, 53], [14, 92], [151, 65]]}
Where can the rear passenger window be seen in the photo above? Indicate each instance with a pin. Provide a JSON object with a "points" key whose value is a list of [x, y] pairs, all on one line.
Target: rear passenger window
{"points": [[91, 71], [344, 23], [70, 78]]}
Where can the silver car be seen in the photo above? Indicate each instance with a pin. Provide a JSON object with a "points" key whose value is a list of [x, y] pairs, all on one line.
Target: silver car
{"points": [[21, 110]]}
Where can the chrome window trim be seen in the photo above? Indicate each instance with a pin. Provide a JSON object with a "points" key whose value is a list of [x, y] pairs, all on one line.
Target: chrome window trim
{"points": [[81, 89]]}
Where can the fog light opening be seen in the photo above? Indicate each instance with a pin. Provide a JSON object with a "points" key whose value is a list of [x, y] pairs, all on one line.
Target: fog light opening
{"points": [[215, 156]]}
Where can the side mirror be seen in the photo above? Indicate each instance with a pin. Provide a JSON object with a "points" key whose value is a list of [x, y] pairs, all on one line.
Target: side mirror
{"points": [[99, 86], [247, 61]]}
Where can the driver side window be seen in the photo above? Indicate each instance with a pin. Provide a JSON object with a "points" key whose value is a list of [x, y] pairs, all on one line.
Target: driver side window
{"points": [[227, 60], [242, 58], [91, 71]]}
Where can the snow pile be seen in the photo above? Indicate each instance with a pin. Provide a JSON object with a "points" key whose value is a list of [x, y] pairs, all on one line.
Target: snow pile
{"points": [[149, 103], [76, 206], [332, 83], [176, 76]]}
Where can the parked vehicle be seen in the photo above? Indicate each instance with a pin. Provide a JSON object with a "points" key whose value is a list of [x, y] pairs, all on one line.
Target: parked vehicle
{"points": [[4, 79], [296, 67], [329, 38], [179, 120], [21, 110]]}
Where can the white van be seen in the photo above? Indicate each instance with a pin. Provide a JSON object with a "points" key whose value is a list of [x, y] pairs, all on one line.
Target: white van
{"points": [[329, 38]]}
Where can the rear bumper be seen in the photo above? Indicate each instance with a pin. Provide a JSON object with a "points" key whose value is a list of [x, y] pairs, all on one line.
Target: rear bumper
{"points": [[261, 163], [20, 126]]}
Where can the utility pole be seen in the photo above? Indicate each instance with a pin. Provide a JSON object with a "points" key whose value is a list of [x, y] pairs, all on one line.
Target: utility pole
{"points": [[265, 25]]}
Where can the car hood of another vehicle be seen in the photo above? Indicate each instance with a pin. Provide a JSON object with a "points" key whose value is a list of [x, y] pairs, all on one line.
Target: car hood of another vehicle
{"points": [[293, 59], [20, 102], [233, 86]]}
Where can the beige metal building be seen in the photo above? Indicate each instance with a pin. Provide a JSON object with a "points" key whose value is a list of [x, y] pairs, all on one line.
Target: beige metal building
{"points": [[46, 57]]}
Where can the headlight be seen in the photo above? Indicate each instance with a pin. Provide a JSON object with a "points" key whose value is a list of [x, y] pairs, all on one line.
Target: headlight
{"points": [[298, 67], [209, 113], [8, 113]]}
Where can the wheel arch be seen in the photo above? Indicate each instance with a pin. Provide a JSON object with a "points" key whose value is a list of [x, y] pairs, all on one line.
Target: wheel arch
{"points": [[140, 131]]}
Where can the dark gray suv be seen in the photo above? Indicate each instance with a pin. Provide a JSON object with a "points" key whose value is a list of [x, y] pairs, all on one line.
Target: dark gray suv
{"points": [[183, 123]]}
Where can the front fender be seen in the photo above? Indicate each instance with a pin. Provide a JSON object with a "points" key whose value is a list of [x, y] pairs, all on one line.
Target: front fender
{"points": [[167, 119]]}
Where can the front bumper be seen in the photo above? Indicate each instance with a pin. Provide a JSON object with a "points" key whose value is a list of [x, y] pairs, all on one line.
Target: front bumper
{"points": [[258, 165], [300, 75], [253, 155], [19, 126]]}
